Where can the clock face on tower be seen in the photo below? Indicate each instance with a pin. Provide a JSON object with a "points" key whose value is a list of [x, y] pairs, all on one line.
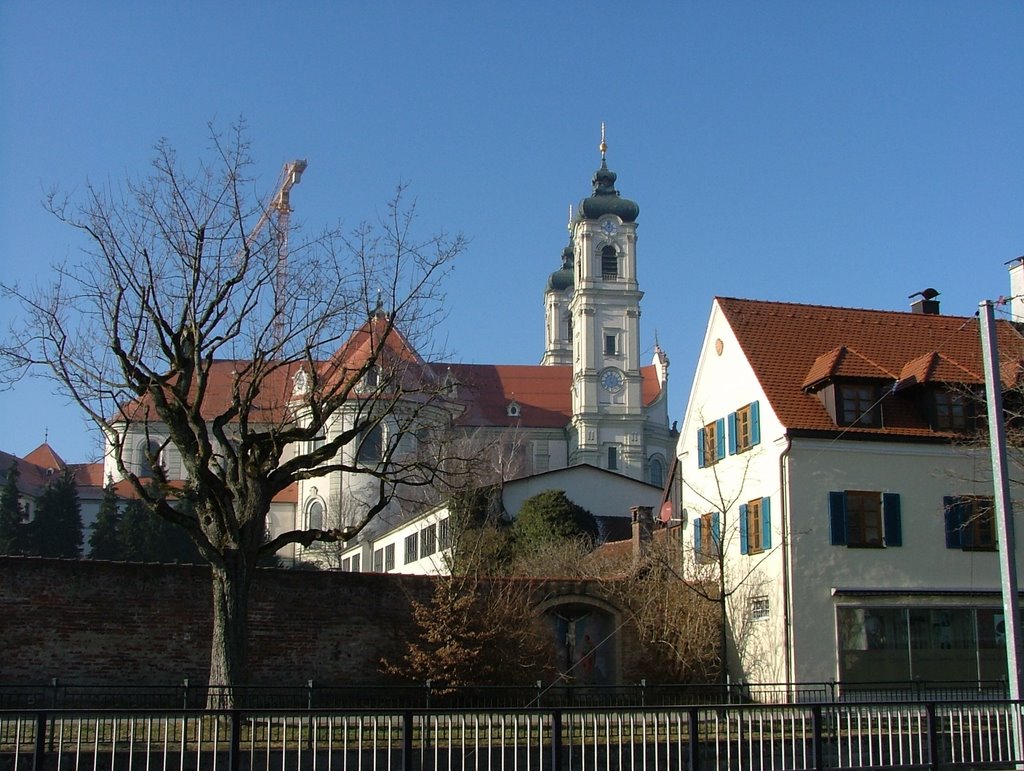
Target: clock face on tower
{"points": [[609, 228], [612, 380]]}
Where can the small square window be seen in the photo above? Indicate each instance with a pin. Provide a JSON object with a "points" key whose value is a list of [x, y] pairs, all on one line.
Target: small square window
{"points": [[760, 608], [610, 345]]}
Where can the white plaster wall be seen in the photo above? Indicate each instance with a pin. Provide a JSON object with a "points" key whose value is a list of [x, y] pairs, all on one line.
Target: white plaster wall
{"points": [[723, 383], [922, 475], [599, 493]]}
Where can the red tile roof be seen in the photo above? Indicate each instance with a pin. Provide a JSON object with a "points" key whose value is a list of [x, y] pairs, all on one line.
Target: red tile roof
{"points": [[543, 393], [791, 347]]}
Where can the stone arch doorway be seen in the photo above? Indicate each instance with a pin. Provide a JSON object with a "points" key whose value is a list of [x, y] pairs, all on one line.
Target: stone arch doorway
{"points": [[586, 640]]}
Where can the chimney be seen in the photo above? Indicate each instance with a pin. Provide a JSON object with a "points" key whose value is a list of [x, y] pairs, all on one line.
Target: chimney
{"points": [[643, 529], [1016, 266], [926, 303]]}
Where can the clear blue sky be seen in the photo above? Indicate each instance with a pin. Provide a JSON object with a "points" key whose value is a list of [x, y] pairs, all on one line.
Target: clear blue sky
{"points": [[844, 153]]}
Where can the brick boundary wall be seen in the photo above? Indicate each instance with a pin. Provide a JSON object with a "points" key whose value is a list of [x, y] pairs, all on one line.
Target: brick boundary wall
{"points": [[99, 623]]}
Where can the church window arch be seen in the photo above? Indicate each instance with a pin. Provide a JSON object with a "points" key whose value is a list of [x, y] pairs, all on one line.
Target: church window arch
{"points": [[609, 262], [656, 470], [147, 453], [371, 445], [315, 510]]}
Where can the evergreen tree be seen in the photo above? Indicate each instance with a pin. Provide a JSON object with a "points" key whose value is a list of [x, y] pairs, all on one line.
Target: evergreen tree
{"points": [[147, 537], [56, 530], [12, 528], [105, 533], [551, 516]]}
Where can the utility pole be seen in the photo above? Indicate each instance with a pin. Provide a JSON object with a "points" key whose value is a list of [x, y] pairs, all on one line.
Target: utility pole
{"points": [[1003, 504]]}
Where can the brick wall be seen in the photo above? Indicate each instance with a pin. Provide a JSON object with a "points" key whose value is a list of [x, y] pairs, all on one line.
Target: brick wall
{"points": [[109, 623]]}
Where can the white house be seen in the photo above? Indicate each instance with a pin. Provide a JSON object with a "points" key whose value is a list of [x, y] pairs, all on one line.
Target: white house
{"points": [[832, 454], [421, 544]]}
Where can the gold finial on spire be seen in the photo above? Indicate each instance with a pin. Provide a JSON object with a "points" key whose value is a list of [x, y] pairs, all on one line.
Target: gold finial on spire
{"points": [[604, 145]]}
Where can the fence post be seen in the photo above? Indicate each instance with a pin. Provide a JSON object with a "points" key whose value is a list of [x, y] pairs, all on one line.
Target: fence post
{"points": [[933, 735], [428, 694], [540, 691], [817, 742], [39, 751], [235, 741], [184, 697], [694, 737], [309, 694], [407, 729], [556, 740], [643, 692]]}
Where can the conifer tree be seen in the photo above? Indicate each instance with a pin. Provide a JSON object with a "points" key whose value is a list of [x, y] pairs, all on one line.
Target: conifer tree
{"points": [[11, 514], [56, 530], [105, 531]]}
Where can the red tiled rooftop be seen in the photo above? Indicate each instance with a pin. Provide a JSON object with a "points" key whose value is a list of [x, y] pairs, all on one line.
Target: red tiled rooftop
{"points": [[790, 345]]}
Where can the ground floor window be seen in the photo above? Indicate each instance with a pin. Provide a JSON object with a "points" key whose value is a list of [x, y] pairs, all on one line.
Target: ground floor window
{"points": [[897, 644]]}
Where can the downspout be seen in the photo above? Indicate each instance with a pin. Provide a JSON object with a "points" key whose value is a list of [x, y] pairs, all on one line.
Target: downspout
{"points": [[786, 557]]}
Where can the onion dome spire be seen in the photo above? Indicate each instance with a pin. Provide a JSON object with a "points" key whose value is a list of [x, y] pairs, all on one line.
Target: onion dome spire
{"points": [[605, 199]]}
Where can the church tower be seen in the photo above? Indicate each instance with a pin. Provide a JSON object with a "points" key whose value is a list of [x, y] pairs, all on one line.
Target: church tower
{"points": [[557, 320], [607, 402]]}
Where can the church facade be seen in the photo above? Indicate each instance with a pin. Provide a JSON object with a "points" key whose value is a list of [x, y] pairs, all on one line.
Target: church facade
{"points": [[589, 400]]}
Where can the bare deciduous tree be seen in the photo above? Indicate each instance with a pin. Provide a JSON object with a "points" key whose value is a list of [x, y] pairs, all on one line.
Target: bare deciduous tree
{"points": [[178, 329]]}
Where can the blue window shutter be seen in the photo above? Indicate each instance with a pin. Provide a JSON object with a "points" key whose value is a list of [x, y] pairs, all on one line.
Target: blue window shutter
{"points": [[837, 518], [743, 528], [891, 520], [954, 522], [732, 435], [719, 434], [755, 424], [696, 536], [701, 460], [766, 523], [716, 532]]}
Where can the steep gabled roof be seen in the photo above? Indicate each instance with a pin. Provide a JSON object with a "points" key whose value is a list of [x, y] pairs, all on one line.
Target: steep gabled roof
{"points": [[792, 347]]}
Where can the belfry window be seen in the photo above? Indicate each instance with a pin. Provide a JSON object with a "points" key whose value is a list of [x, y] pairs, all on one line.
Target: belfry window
{"points": [[609, 263]]}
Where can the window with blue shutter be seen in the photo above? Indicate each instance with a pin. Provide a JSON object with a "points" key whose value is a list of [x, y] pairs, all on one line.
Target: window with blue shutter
{"points": [[701, 444], [865, 519], [755, 526], [970, 522], [707, 536], [892, 519], [744, 428]]}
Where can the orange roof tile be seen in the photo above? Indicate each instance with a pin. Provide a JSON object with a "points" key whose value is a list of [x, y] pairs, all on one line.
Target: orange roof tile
{"points": [[45, 457], [790, 346]]}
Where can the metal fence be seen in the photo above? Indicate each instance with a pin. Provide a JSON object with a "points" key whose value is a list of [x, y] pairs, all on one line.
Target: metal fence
{"points": [[60, 695], [899, 735]]}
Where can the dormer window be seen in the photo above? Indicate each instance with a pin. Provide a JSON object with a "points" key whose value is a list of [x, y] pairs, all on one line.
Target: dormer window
{"points": [[513, 410], [857, 405], [952, 411]]}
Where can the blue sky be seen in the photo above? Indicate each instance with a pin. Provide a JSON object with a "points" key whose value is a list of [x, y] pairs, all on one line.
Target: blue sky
{"points": [[842, 153]]}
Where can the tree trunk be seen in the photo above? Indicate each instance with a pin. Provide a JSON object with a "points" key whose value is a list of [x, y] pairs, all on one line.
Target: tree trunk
{"points": [[228, 648]]}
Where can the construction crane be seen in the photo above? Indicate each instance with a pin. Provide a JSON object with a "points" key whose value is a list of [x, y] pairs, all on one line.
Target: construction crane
{"points": [[280, 210]]}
